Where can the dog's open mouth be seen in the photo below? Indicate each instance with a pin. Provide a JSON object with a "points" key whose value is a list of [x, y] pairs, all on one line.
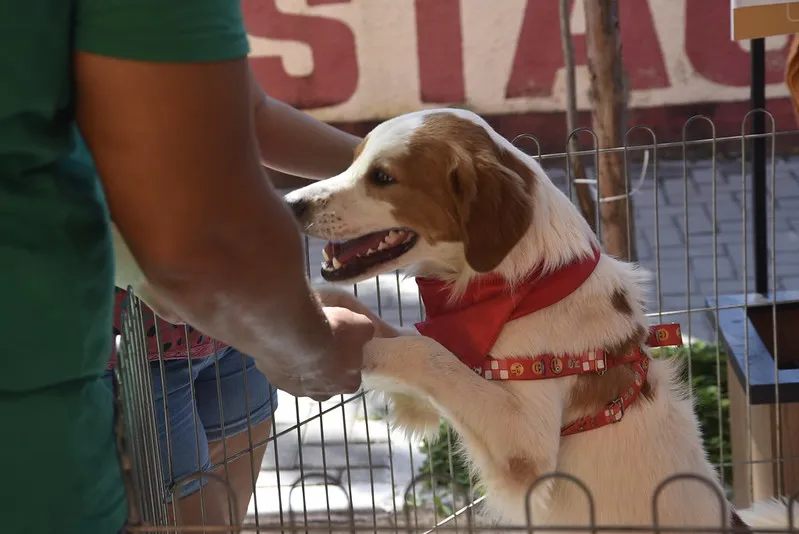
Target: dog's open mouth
{"points": [[348, 259]]}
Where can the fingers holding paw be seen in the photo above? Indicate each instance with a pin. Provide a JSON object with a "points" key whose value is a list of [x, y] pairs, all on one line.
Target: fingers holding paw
{"points": [[334, 297]]}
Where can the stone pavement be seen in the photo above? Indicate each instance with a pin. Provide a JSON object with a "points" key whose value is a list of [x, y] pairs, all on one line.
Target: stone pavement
{"points": [[353, 439]]}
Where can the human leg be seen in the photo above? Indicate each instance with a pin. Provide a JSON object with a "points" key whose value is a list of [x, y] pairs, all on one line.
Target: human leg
{"points": [[236, 403], [232, 406], [184, 445], [238, 459]]}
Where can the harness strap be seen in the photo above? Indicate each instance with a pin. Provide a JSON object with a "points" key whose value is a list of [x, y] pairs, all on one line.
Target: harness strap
{"points": [[546, 366], [614, 411]]}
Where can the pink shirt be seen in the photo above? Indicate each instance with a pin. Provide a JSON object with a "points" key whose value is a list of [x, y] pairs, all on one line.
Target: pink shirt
{"points": [[172, 337]]}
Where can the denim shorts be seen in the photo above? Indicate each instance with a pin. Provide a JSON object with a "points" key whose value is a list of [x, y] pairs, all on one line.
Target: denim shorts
{"points": [[219, 407]]}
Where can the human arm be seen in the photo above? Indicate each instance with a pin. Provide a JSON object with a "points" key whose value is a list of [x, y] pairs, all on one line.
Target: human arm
{"points": [[174, 146], [295, 143], [281, 180]]}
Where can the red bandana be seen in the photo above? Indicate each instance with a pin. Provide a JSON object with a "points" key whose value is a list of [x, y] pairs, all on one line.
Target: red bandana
{"points": [[471, 326]]}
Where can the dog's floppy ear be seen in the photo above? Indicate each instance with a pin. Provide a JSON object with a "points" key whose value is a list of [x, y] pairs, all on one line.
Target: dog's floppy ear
{"points": [[495, 190]]}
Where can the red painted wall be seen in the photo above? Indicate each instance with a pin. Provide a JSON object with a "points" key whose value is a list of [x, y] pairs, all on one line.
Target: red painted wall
{"points": [[657, 55]]}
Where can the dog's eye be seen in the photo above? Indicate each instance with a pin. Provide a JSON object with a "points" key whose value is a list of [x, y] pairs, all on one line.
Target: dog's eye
{"points": [[379, 177]]}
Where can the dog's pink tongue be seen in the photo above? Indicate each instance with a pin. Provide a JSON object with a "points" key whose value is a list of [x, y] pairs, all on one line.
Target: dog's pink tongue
{"points": [[347, 250]]}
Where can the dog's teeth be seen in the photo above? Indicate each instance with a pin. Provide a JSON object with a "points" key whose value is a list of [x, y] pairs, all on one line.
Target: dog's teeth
{"points": [[382, 246], [370, 251], [408, 238], [325, 256], [336, 264]]}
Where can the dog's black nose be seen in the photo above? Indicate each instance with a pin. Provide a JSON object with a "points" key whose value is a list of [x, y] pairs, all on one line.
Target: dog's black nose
{"points": [[299, 207]]}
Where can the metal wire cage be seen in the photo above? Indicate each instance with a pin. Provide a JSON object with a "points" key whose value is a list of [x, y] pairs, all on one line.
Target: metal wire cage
{"points": [[338, 466]]}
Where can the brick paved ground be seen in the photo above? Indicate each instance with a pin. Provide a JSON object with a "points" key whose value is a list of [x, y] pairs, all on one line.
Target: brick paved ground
{"points": [[381, 466]]}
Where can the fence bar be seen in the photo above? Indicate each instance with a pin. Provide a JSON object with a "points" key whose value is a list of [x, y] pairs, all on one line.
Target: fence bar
{"points": [[759, 222]]}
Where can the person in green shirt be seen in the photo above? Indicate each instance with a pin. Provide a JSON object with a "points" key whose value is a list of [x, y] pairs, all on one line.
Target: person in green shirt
{"points": [[164, 97]]}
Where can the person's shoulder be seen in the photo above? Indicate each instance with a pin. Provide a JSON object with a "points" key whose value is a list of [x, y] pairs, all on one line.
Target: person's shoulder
{"points": [[158, 31]]}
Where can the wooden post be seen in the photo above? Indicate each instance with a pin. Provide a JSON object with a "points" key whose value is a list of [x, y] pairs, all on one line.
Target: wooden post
{"points": [[584, 195], [609, 97]]}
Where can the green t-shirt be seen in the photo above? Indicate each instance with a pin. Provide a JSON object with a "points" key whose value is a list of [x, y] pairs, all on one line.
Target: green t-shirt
{"points": [[58, 466]]}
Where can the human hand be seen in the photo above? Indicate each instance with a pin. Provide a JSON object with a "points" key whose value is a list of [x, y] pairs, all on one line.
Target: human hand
{"points": [[351, 331], [340, 298], [336, 297], [340, 370]]}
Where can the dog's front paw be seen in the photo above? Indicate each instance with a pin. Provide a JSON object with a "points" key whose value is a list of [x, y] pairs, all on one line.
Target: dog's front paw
{"points": [[416, 418], [399, 356], [386, 364], [386, 357], [405, 364]]}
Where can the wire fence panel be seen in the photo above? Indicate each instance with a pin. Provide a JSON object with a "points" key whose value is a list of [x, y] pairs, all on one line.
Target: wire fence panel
{"points": [[338, 466]]}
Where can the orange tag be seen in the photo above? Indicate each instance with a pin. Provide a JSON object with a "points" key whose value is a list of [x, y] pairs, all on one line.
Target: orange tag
{"points": [[665, 335]]}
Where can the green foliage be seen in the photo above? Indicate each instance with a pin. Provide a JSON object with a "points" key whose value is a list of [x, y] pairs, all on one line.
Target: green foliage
{"points": [[439, 453], [708, 371], [447, 468]]}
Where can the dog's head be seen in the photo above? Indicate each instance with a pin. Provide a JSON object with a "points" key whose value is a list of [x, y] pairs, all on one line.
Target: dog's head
{"points": [[437, 187]]}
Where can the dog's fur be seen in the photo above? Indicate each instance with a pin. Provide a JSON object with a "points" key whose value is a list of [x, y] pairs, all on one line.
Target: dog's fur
{"points": [[480, 205]]}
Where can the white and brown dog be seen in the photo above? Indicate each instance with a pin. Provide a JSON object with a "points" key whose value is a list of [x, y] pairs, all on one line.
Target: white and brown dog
{"points": [[515, 288]]}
